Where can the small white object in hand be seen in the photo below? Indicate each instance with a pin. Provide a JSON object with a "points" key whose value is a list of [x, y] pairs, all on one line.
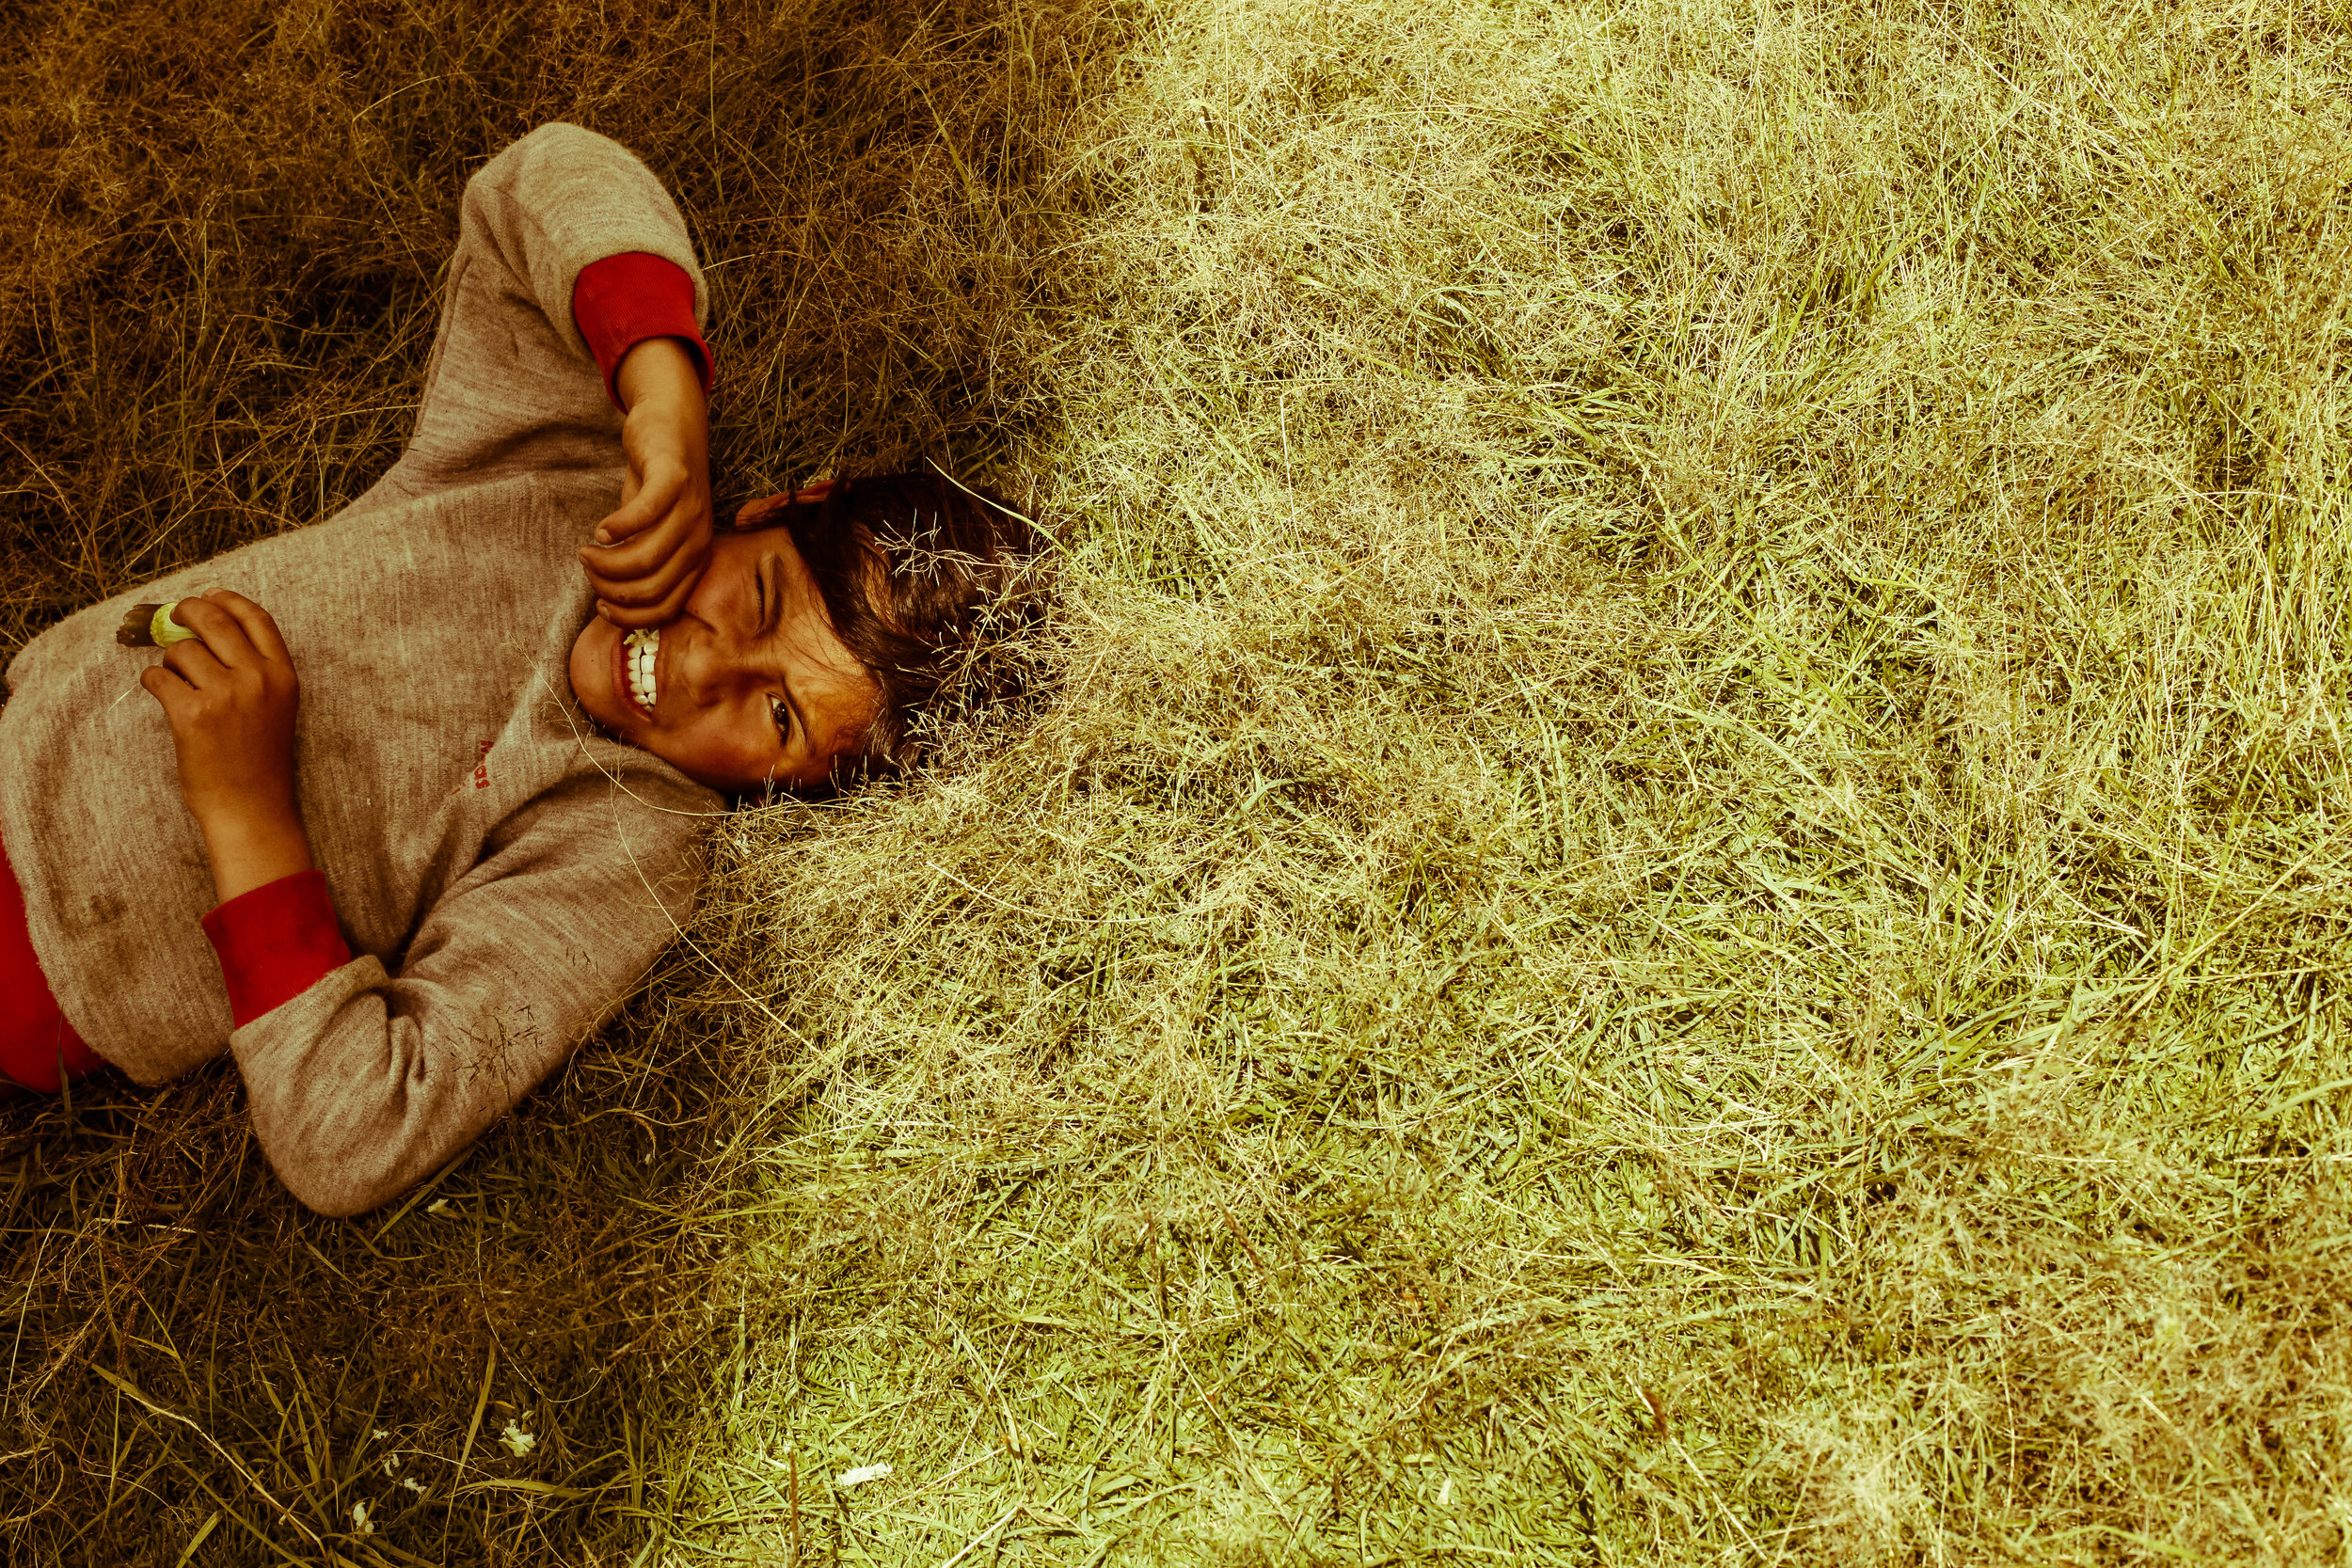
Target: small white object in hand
{"points": [[518, 1441], [359, 1524], [862, 1474]]}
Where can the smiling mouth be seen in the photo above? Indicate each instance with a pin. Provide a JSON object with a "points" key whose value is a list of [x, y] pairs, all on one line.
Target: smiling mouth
{"points": [[637, 654]]}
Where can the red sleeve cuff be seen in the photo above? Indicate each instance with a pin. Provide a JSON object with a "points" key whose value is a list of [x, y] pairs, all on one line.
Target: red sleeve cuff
{"points": [[276, 943], [622, 300]]}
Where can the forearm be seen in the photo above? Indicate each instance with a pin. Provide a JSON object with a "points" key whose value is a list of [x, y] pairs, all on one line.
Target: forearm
{"points": [[646, 556], [368, 1081], [365, 1084], [254, 846], [664, 370]]}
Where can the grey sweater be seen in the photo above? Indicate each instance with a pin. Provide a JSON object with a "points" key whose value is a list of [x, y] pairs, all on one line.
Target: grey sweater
{"points": [[504, 873]]}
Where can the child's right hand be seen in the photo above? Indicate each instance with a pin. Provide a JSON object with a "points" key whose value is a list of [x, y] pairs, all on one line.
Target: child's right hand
{"points": [[649, 554]]}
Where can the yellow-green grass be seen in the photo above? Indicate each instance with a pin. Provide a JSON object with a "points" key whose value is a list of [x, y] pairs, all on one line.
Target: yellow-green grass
{"points": [[1681, 895]]}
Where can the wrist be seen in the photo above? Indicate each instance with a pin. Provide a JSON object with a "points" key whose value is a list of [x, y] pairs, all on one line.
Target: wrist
{"points": [[659, 369], [252, 845]]}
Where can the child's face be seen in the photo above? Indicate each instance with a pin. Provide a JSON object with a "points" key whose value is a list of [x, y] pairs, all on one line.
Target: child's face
{"points": [[749, 686]]}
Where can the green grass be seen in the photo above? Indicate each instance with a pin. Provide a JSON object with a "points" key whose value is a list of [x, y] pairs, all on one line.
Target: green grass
{"points": [[1683, 899]]}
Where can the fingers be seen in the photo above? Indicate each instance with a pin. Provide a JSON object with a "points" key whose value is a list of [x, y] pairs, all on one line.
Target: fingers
{"points": [[645, 580], [167, 688], [194, 660], [259, 628], [626, 540], [643, 504], [659, 613], [222, 632], [651, 551], [685, 531], [184, 703], [656, 597], [237, 644]]}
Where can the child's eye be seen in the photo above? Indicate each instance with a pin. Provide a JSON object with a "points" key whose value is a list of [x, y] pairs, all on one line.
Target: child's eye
{"points": [[782, 716]]}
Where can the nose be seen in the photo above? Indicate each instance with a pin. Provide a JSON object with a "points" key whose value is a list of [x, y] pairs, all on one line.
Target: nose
{"points": [[708, 658]]}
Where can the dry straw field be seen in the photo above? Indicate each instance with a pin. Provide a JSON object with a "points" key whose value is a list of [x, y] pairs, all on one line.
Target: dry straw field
{"points": [[1681, 897]]}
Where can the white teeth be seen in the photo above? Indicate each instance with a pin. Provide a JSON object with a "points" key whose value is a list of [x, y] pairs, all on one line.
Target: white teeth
{"points": [[641, 646]]}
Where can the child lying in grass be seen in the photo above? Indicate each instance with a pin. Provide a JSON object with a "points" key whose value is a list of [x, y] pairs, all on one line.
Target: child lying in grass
{"points": [[433, 873]]}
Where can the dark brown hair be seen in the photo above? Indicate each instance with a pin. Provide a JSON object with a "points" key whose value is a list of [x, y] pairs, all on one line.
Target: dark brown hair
{"points": [[926, 580]]}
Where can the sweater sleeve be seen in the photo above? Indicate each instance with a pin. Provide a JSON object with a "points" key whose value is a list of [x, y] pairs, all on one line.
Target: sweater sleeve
{"points": [[370, 1080], [514, 383]]}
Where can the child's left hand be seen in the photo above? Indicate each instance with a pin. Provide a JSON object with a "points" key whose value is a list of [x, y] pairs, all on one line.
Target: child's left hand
{"points": [[651, 552], [229, 695]]}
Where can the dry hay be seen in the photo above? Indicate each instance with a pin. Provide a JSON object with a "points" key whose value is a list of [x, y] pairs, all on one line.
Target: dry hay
{"points": [[1680, 897]]}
